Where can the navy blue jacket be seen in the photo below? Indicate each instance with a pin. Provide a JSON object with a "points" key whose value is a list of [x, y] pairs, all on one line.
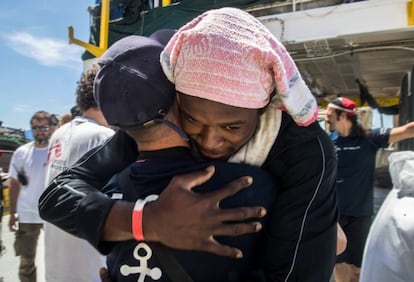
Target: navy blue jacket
{"points": [[129, 260]]}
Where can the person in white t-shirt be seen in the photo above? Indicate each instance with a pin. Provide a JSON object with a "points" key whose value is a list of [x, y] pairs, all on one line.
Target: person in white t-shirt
{"points": [[27, 181], [68, 258]]}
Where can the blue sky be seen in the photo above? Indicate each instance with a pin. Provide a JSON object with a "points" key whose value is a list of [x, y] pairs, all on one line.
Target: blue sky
{"points": [[38, 67]]}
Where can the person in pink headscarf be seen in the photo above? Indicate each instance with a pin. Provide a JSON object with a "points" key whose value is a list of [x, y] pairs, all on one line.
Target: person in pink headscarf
{"points": [[236, 81], [242, 99]]}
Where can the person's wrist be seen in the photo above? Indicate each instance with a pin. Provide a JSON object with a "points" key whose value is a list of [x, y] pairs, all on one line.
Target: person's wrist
{"points": [[150, 222], [137, 217]]}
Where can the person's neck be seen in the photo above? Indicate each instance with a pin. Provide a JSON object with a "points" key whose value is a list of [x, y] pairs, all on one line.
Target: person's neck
{"points": [[163, 143], [96, 115], [43, 145], [164, 137]]}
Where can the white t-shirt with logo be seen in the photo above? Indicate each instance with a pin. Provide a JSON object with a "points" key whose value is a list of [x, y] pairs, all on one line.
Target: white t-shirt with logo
{"points": [[68, 258], [31, 161]]}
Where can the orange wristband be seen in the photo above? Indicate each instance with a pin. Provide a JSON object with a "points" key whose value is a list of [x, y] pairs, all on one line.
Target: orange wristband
{"points": [[137, 231]]}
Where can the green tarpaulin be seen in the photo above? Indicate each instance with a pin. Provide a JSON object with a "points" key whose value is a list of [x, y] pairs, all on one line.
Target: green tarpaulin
{"points": [[173, 16]]}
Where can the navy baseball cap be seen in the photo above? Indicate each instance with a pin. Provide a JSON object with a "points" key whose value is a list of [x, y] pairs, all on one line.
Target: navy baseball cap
{"points": [[130, 88]]}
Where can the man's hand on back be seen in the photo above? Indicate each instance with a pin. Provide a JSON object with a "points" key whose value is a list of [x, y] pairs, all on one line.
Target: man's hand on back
{"points": [[184, 219]]}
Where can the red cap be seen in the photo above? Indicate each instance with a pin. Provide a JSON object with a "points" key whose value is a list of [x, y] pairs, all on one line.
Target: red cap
{"points": [[344, 104]]}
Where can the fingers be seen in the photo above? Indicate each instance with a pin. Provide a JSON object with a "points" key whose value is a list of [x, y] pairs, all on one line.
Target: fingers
{"points": [[195, 218], [236, 229], [223, 250], [104, 275], [12, 225], [232, 188], [230, 230], [193, 179], [239, 214]]}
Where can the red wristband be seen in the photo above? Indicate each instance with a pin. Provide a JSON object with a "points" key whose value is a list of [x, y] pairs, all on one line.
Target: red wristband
{"points": [[137, 231]]}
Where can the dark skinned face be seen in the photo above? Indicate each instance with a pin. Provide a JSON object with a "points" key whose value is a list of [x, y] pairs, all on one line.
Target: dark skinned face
{"points": [[217, 129]]}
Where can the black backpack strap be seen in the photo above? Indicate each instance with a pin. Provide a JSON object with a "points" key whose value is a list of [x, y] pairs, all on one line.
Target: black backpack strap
{"points": [[168, 261], [170, 264]]}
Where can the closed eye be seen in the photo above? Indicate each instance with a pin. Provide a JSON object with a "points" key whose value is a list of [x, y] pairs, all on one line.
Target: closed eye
{"points": [[187, 117], [232, 127], [190, 119]]}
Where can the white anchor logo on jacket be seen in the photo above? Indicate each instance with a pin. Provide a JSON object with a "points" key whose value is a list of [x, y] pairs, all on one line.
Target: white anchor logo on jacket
{"points": [[142, 269]]}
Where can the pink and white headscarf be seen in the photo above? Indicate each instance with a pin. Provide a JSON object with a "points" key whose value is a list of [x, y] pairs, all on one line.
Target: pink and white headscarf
{"points": [[228, 56]]}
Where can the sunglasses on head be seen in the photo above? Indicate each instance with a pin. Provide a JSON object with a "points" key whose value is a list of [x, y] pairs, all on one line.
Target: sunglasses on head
{"points": [[40, 128]]}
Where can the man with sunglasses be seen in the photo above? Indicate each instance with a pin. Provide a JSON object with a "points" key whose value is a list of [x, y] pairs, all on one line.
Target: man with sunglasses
{"points": [[27, 181]]}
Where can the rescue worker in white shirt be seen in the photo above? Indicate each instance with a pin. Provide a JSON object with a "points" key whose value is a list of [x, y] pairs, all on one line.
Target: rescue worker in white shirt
{"points": [[27, 181]]}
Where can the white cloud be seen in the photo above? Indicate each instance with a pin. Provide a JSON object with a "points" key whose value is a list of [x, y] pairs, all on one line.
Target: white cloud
{"points": [[46, 51], [20, 108]]}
